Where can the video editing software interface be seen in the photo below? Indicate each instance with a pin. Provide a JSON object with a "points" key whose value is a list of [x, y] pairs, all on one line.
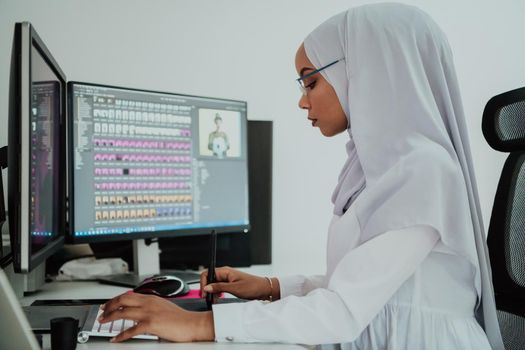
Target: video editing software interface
{"points": [[44, 143], [152, 162]]}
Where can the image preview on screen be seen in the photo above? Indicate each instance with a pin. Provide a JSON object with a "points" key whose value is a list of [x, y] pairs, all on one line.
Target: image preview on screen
{"points": [[156, 162]]}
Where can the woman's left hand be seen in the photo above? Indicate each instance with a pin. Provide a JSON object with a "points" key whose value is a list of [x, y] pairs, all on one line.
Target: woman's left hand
{"points": [[157, 316]]}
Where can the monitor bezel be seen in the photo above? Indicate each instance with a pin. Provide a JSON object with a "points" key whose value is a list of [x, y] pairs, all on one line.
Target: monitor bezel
{"points": [[24, 39], [71, 238]]}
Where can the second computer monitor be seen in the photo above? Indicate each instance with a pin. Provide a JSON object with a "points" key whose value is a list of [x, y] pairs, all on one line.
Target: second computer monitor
{"points": [[151, 164], [36, 151]]}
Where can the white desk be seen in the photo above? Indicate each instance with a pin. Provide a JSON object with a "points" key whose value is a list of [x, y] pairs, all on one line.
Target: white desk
{"points": [[95, 290]]}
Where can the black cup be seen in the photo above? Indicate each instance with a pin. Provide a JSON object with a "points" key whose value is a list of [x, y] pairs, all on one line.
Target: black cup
{"points": [[64, 332]]}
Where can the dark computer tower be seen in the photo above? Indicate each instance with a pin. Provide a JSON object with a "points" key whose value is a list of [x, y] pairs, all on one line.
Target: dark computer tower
{"points": [[236, 249]]}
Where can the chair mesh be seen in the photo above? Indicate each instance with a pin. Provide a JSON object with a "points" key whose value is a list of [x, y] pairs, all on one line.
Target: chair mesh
{"points": [[515, 227], [504, 128], [512, 330], [510, 122]]}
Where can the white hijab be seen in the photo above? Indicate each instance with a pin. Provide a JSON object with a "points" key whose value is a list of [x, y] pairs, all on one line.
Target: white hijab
{"points": [[409, 156]]}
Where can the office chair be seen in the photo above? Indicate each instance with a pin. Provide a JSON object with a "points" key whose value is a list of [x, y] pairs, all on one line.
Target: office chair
{"points": [[503, 126]]}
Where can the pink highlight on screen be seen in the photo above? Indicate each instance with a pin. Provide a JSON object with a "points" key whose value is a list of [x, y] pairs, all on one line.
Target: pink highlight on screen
{"points": [[118, 186], [156, 144], [143, 158], [149, 171]]}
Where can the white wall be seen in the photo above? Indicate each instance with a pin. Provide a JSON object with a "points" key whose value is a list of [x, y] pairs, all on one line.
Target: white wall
{"points": [[244, 50]]}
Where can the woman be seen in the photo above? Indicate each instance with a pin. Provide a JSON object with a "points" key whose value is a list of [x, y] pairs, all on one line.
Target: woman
{"points": [[406, 260]]}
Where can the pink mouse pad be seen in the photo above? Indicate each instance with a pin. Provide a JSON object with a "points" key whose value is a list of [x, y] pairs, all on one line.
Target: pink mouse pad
{"points": [[195, 293]]}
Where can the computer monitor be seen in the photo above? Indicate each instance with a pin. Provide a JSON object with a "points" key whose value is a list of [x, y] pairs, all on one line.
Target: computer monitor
{"points": [[147, 164], [36, 151]]}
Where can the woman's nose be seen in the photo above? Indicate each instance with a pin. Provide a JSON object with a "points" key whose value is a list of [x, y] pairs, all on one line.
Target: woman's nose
{"points": [[303, 102]]}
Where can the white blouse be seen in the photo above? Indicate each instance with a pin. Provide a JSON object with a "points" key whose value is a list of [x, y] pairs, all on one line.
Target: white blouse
{"points": [[400, 290]]}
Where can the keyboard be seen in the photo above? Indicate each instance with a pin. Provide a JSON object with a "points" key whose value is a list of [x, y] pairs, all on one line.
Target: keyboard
{"points": [[92, 328]]}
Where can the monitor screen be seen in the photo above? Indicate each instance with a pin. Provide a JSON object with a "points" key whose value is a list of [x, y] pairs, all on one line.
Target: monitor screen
{"points": [[36, 154], [45, 107], [152, 164]]}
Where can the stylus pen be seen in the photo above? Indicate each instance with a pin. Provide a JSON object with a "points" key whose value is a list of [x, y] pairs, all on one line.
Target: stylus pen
{"points": [[211, 266]]}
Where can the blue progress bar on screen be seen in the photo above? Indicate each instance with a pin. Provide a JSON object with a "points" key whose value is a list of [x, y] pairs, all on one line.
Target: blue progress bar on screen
{"points": [[127, 230]]}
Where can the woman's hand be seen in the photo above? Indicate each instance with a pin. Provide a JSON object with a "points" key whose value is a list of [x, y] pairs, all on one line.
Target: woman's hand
{"points": [[157, 316], [240, 284]]}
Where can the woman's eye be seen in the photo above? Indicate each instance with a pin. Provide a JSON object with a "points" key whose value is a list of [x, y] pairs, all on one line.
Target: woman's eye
{"points": [[310, 85]]}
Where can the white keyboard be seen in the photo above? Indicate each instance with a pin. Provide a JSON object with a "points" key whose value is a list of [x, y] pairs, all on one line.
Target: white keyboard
{"points": [[111, 329]]}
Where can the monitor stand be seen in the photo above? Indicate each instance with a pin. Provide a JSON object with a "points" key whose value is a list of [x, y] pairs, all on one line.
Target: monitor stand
{"points": [[33, 280], [146, 264], [26, 283]]}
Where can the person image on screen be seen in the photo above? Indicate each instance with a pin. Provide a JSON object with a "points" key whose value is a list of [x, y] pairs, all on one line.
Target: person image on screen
{"points": [[218, 140]]}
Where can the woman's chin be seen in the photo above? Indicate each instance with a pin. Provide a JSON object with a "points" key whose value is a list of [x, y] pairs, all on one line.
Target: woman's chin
{"points": [[328, 132]]}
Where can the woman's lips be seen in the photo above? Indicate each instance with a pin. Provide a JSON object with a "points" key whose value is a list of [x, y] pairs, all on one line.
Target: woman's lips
{"points": [[313, 121]]}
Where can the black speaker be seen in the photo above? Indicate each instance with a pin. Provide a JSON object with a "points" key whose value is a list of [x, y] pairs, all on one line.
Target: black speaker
{"points": [[237, 249], [260, 135]]}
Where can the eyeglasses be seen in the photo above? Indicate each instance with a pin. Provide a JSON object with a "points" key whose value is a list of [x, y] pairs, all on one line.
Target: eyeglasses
{"points": [[300, 80]]}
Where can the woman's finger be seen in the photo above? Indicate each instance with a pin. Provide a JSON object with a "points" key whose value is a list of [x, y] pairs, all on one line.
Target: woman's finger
{"points": [[123, 300], [223, 274], [219, 287], [139, 328], [126, 313], [204, 281]]}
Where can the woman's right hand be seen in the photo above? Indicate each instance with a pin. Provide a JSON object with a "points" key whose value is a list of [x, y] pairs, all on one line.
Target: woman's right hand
{"points": [[241, 284]]}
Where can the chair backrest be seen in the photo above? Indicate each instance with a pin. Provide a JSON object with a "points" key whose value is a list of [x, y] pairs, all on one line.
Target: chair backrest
{"points": [[504, 129]]}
